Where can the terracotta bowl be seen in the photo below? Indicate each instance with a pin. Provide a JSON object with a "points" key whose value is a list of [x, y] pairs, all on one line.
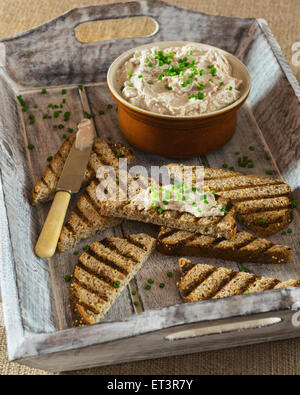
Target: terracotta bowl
{"points": [[177, 136]]}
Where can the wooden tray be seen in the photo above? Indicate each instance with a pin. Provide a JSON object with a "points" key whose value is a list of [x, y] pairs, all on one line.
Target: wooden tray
{"points": [[35, 295]]}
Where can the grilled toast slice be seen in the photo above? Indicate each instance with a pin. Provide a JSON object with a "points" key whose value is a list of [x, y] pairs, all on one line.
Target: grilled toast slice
{"points": [[222, 226], [102, 273], [202, 282], [103, 153], [262, 204], [243, 248]]}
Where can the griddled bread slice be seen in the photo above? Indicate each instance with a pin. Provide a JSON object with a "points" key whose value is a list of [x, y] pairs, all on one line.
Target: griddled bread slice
{"points": [[263, 204], [243, 248], [103, 272], [201, 282], [222, 226], [103, 153]]}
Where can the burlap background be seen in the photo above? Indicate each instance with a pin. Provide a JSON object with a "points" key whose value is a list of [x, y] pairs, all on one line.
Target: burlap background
{"points": [[283, 18]]}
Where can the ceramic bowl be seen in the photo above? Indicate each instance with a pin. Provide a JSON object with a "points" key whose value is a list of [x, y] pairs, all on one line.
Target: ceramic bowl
{"points": [[177, 136]]}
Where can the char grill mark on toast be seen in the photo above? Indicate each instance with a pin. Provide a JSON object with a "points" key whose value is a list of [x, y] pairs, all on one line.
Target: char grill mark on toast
{"points": [[108, 244], [70, 228], [106, 261], [82, 217], [213, 283], [106, 279]]}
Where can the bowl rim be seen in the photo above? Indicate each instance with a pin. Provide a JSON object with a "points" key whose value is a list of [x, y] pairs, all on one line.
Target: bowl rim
{"points": [[125, 55]]}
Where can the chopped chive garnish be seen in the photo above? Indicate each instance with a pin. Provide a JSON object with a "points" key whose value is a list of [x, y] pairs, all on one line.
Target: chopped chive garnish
{"points": [[140, 76], [200, 96], [290, 230], [101, 112], [231, 168], [133, 293], [184, 84], [211, 80], [136, 303], [81, 87], [202, 72], [230, 88], [116, 284], [67, 116], [147, 60], [56, 114], [119, 154], [192, 96], [150, 64], [76, 252], [60, 126], [70, 130], [122, 87], [150, 281], [269, 172], [130, 74], [294, 203], [283, 233], [160, 77], [267, 157], [160, 210], [248, 291], [30, 146], [147, 287], [44, 91], [200, 87], [49, 159], [191, 53], [221, 83], [64, 136], [86, 247], [67, 278], [251, 148], [170, 274], [63, 91], [161, 285], [150, 82], [35, 106], [168, 87], [109, 106], [237, 153], [261, 222], [117, 180], [225, 166], [244, 269]]}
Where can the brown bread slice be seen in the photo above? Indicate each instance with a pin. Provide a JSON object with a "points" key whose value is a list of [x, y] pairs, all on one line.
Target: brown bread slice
{"points": [[243, 248], [223, 226], [263, 204], [103, 272], [202, 282], [103, 153]]}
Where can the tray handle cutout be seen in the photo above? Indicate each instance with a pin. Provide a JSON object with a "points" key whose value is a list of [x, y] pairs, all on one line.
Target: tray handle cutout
{"points": [[224, 328], [113, 29]]}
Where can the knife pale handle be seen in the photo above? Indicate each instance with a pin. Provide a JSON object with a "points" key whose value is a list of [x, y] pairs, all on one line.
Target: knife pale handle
{"points": [[47, 242]]}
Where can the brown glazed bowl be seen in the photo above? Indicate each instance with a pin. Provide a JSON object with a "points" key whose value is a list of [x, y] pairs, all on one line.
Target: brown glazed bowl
{"points": [[177, 136]]}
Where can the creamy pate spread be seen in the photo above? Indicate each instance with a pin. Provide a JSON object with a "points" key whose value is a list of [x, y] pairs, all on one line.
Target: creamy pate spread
{"points": [[179, 198], [182, 81], [84, 135]]}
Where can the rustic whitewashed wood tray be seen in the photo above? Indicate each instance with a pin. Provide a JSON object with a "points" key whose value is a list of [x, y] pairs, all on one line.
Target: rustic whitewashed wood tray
{"points": [[35, 295]]}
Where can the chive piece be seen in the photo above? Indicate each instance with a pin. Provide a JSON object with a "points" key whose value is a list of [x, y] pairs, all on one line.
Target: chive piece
{"points": [[200, 96], [60, 126], [44, 91], [261, 222], [150, 64], [88, 115], [244, 269], [168, 87], [101, 112], [230, 88], [160, 77], [136, 303], [64, 136], [200, 87], [119, 154], [231, 168], [35, 106], [70, 130], [130, 74], [221, 83], [63, 91], [147, 287], [161, 285], [283, 233], [290, 230], [117, 180], [248, 291], [211, 80], [109, 138], [56, 114], [192, 96], [251, 148], [109, 106], [184, 84], [140, 76], [170, 274], [237, 153], [150, 82], [30, 146], [76, 252], [81, 87], [267, 157], [225, 166], [86, 247], [133, 293], [191, 52], [67, 278], [116, 284], [202, 72], [67, 116], [160, 210], [122, 88], [49, 159], [294, 203], [150, 281], [147, 60], [269, 172]]}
